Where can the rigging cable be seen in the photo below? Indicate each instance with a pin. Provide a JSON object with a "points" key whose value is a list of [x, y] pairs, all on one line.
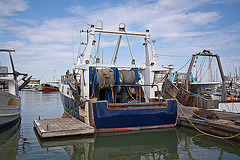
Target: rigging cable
{"points": [[80, 39], [201, 71], [208, 134], [97, 55], [172, 56], [184, 65], [129, 48], [201, 66], [206, 70]]}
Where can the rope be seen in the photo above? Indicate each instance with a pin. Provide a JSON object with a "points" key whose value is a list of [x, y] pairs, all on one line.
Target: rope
{"points": [[68, 114], [206, 70], [97, 51], [184, 65], [197, 115], [203, 131], [172, 56], [208, 134], [128, 77], [130, 94], [201, 66], [129, 47], [80, 39]]}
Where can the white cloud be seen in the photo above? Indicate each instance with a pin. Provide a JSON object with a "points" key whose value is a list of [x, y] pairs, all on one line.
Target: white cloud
{"points": [[51, 30], [9, 7], [180, 28], [164, 18]]}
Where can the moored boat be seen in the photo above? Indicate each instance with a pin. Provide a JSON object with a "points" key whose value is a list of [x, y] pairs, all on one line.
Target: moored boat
{"points": [[50, 86], [190, 91], [114, 97], [10, 106], [33, 85]]}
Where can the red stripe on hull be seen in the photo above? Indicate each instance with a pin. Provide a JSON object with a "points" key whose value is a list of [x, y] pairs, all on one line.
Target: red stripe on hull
{"points": [[49, 89], [105, 130]]}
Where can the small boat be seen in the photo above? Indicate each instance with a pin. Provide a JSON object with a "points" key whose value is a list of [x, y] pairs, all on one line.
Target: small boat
{"points": [[114, 97], [33, 85], [50, 86], [10, 106]]}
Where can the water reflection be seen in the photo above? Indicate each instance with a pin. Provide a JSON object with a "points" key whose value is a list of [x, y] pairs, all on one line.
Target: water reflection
{"points": [[152, 144], [176, 143], [76, 147], [193, 145], [9, 140], [24, 146]]}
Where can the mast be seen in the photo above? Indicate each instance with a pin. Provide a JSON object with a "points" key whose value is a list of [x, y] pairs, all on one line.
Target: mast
{"points": [[15, 73]]}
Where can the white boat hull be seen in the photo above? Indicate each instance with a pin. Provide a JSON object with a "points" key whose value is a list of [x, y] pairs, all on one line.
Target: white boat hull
{"points": [[10, 108], [233, 107]]}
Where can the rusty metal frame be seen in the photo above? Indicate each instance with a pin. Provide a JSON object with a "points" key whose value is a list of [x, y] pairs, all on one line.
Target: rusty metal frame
{"points": [[135, 108], [137, 104], [228, 101], [124, 129], [138, 85]]}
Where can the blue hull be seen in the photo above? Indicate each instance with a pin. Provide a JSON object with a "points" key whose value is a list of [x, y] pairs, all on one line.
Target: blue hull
{"points": [[11, 122], [123, 120], [70, 107]]}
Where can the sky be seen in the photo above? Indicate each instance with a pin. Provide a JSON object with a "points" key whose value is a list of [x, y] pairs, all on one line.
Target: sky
{"points": [[46, 37]]}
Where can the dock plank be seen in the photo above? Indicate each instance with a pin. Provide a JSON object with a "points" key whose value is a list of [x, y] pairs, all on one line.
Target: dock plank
{"points": [[225, 126], [61, 127]]}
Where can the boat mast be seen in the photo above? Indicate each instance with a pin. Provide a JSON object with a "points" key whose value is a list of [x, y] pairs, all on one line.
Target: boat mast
{"points": [[11, 60]]}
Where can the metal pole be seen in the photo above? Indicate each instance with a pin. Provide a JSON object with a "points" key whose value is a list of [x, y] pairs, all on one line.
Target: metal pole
{"points": [[222, 76], [189, 71]]}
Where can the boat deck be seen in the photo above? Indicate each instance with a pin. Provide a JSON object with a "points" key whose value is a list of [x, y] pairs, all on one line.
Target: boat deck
{"points": [[47, 128]]}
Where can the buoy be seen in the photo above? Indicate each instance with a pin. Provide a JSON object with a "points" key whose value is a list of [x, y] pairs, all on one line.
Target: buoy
{"points": [[231, 96]]}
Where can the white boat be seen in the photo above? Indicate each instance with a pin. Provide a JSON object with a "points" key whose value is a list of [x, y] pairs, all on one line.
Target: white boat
{"points": [[10, 101], [34, 85], [117, 97], [10, 107]]}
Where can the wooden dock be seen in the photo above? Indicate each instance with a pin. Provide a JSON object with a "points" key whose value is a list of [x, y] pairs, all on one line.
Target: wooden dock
{"points": [[47, 128], [226, 126]]}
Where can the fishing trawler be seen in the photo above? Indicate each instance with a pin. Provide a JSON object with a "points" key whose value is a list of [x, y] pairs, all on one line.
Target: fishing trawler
{"points": [[114, 97], [10, 106]]}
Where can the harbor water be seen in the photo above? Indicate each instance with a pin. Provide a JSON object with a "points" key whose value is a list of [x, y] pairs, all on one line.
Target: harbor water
{"points": [[20, 141]]}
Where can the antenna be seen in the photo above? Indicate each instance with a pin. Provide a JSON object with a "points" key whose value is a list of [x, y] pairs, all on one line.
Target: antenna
{"points": [[73, 47]]}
